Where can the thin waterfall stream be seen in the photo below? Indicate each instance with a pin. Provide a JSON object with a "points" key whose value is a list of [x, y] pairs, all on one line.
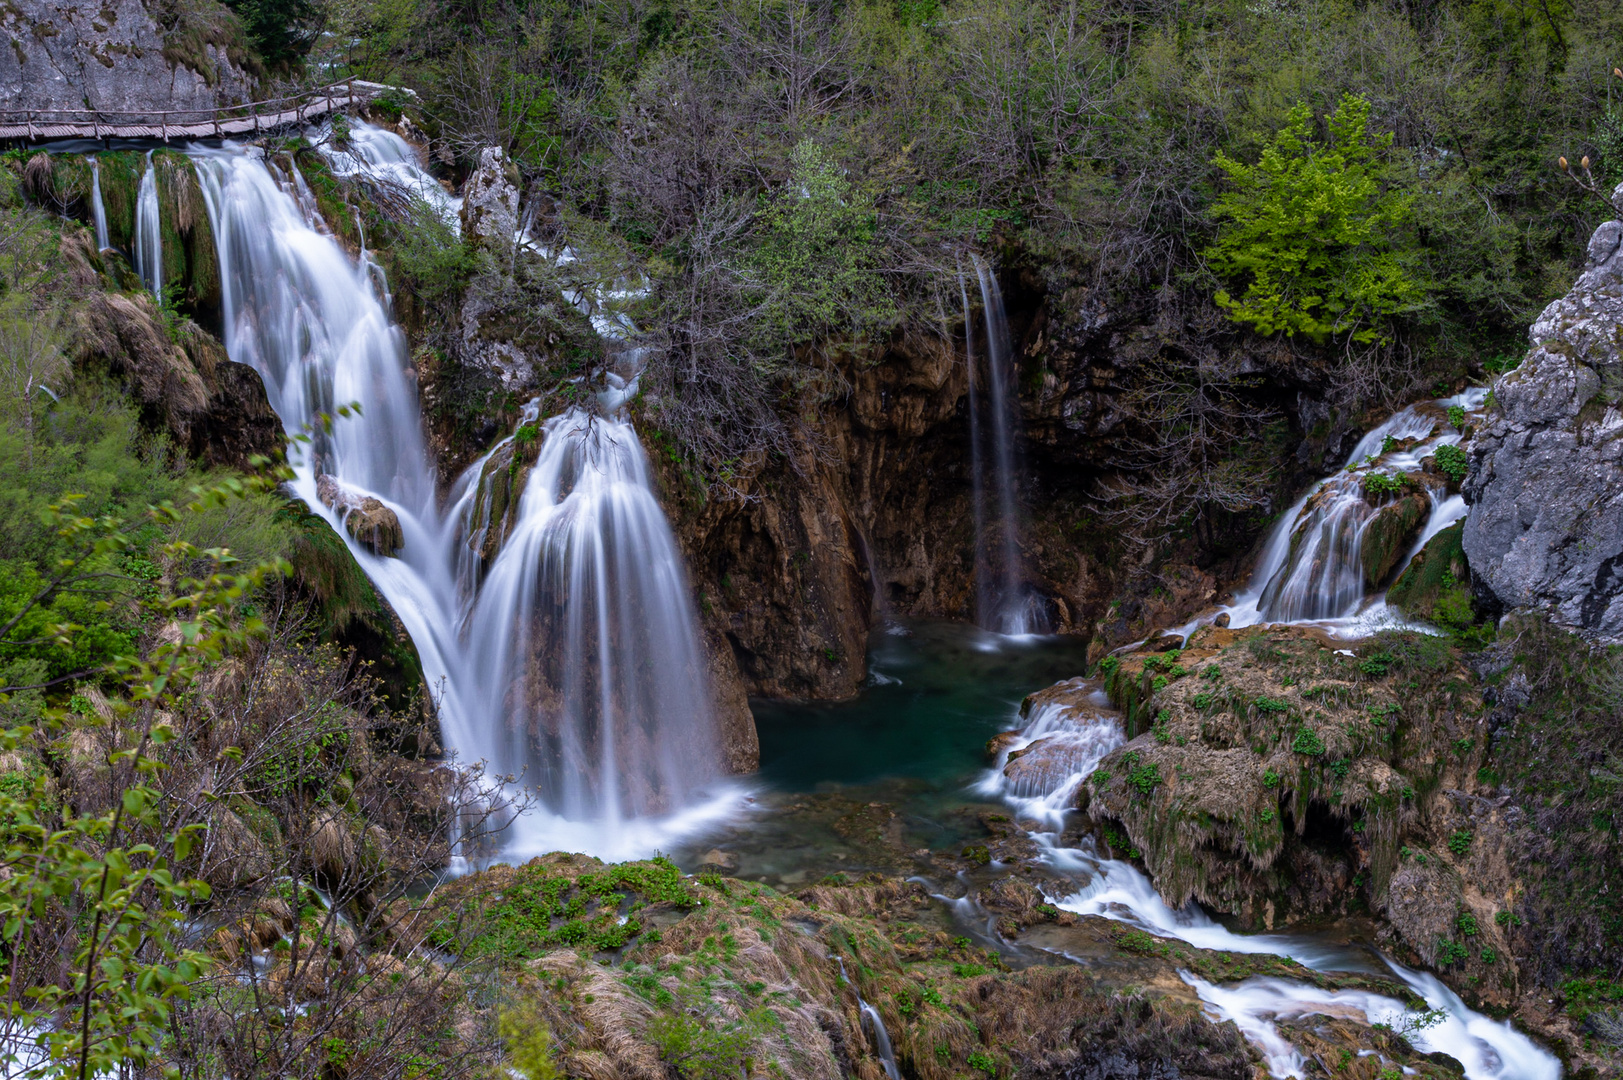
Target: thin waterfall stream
{"points": [[571, 666], [98, 209], [149, 232], [1005, 602]]}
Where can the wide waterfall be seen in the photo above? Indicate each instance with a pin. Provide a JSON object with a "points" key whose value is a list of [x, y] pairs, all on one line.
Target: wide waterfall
{"points": [[149, 233], [1004, 601], [1115, 889], [572, 666]]}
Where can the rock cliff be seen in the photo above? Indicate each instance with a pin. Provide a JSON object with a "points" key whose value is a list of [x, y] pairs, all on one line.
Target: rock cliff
{"points": [[123, 55], [1546, 473]]}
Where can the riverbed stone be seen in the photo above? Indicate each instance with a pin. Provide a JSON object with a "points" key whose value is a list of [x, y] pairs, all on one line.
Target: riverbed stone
{"points": [[1545, 484]]}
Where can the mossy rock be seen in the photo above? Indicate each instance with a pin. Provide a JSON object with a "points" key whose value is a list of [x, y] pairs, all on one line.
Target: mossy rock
{"points": [[1389, 534], [1439, 571]]}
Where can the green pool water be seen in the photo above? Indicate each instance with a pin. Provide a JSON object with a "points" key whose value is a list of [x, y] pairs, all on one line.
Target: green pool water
{"points": [[861, 785], [936, 692]]}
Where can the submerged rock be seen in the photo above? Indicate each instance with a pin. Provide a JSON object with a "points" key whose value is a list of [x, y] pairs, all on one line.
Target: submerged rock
{"points": [[1546, 472]]}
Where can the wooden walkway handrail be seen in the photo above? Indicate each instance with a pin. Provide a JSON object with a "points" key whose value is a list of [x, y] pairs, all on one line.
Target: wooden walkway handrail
{"points": [[251, 117]]}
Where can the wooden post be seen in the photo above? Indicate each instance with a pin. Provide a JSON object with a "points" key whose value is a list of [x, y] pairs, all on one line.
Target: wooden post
{"points": [[253, 112]]}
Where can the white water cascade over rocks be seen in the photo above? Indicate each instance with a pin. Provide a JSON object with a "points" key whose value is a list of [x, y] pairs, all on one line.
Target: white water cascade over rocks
{"points": [[1329, 555], [572, 662], [1004, 602], [1078, 714], [98, 209]]}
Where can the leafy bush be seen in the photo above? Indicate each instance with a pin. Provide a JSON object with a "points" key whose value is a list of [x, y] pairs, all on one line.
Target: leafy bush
{"points": [[1145, 778], [1308, 742], [1378, 484], [818, 262], [1451, 952], [1452, 462], [1456, 416], [1460, 842], [1270, 705]]}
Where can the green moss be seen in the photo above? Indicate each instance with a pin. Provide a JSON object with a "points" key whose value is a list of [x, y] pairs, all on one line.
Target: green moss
{"points": [[544, 907], [1438, 570]]}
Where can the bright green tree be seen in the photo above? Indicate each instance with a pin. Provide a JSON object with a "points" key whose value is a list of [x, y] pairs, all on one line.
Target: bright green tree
{"points": [[1309, 229]]}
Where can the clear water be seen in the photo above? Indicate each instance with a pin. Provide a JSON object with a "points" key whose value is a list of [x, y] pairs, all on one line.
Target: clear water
{"points": [[937, 691]]}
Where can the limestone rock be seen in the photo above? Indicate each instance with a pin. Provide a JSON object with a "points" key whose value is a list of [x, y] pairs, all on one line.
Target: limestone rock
{"points": [[366, 518], [114, 55], [490, 200], [1545, 484]]}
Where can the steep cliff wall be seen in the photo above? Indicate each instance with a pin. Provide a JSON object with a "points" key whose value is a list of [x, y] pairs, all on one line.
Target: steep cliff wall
{"points": [[125, 55], [873, 514], [1546, 474]]}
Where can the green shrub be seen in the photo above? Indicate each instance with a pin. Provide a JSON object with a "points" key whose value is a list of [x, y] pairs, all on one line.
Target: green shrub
{"points": [[1456, 416], [1460, 842], [1270, 779], [1145, 778], [1270, 705], [1378, 664], [1452, 462], [1378, 484], [1308, 742], [1467, 924], [980, 1059], [1451, 952]]}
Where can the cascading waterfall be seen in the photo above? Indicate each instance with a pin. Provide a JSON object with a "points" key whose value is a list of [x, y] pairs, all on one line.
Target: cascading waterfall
{"points": [[1112, 889], [1312, 568], [377, 152], [1005, 603], [573, 663], [98, 210], [149, 233], [584, 638]]}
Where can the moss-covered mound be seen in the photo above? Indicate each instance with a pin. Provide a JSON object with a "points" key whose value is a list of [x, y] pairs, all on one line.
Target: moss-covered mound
{"points": [[1278, 774], [1435, 586]]}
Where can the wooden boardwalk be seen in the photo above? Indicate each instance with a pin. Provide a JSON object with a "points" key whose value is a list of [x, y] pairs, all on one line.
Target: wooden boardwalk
{"points": [[254, 118]]}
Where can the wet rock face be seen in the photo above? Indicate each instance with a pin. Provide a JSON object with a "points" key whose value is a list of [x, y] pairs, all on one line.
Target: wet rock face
{"points": [[1546, 474], [116, 55], [367, 519]]}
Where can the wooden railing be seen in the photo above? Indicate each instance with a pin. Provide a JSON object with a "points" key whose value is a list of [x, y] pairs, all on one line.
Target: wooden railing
{"points": [[36, 125]]}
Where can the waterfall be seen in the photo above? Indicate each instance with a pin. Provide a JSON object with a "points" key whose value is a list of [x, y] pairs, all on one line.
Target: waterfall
{"points": [[1116, 890], [572, 665], [149, 233], [1312, 564], [98, 210], [380, 153], [1005, 603], [872, 1021], [984, 605]]}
